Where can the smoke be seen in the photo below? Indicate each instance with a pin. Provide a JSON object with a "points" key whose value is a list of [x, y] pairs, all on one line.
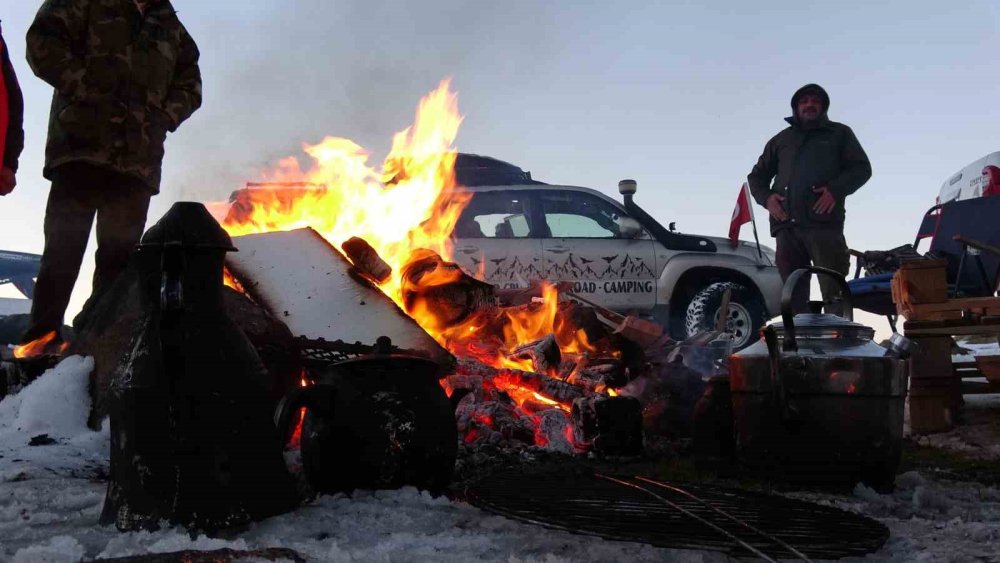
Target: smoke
{"points": [[278, 75]]}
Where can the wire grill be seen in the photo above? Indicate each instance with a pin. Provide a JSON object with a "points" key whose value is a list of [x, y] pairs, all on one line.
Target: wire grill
{"points": [[681, 516]]}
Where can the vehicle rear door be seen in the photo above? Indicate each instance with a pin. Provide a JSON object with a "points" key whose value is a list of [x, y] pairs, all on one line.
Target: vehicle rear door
{"points": [[494, 238], [585, 245]]}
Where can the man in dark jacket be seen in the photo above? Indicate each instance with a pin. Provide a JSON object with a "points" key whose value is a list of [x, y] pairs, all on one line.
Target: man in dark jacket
{"points": [[11, 120], [125, 72], [815, 164]]}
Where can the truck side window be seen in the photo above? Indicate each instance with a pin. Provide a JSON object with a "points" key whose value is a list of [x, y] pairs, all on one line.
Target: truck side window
{"points": [[494, 215], [580, 215]]}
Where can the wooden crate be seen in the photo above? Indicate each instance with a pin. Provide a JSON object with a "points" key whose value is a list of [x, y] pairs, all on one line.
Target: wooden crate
{"points": [[990, 368], [950, 309], [920, 281]]}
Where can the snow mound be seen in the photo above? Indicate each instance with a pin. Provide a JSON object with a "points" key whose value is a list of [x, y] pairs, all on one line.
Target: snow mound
{"points": [[57, 403]]}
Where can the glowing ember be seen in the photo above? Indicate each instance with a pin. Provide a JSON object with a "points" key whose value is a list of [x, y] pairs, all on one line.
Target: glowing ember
{"points": [[39, 347], [230, 281], [296, 440]]}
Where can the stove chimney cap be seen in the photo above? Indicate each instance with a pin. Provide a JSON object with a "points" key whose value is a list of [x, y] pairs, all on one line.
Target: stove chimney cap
{"points": [[190, 225]]}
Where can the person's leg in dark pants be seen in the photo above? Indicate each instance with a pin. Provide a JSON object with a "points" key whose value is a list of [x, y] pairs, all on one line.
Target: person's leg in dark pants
{"points": [[828, 249], [121, 220], [790, 255], [69, 215]]}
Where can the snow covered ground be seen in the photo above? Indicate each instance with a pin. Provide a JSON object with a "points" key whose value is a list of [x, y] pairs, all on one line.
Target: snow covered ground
{"points": [[51, 497]]}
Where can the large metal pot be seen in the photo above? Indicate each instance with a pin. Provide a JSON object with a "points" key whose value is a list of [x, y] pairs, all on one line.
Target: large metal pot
{"points": [[380, 421], [817, 401]]}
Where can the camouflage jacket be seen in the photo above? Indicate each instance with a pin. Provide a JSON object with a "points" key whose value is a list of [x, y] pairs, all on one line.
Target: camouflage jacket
{"points": [[122, 80]]}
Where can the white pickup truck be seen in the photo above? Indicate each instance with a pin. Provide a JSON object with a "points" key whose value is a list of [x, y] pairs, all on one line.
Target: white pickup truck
{"points": [[614, 254]]}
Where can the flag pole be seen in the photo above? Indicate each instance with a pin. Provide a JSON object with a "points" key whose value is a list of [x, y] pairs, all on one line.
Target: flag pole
{"points": [[753, 219]]}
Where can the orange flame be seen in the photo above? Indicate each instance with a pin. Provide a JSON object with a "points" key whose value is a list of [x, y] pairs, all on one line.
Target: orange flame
{"points": [[410, 203], [39, 347], [521, 325]]}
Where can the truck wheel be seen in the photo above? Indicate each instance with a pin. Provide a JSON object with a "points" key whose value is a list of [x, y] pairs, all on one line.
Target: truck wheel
{"points": [[746, 315]]}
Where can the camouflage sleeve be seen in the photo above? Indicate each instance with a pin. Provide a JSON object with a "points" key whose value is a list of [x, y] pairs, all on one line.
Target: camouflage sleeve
{"points": [[184, 96], [53, 41]]}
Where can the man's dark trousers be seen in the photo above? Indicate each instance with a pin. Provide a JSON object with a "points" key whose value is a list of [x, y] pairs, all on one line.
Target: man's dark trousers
{"points": [[800, 247], [79, 192]]}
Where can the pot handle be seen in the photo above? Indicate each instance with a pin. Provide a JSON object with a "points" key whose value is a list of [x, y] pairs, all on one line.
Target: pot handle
{"points": [[787, 316], [318, 398]]}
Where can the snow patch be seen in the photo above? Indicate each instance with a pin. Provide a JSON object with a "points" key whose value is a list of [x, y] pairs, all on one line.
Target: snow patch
{"points": [[57, 550], [57, 403]]}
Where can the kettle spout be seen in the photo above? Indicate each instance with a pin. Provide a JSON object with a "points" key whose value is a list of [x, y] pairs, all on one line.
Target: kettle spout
{"points": [[901, 347]]}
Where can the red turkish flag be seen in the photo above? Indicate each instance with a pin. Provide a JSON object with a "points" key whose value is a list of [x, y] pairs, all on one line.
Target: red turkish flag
{"points": [[4, 111], [741, 215]]}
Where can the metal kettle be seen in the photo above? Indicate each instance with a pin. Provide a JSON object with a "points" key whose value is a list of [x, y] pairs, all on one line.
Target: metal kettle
{"points": [[821, 350], [817, 394]]}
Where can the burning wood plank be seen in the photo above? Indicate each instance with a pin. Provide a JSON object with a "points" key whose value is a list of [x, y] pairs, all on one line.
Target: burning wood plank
{"points": [[301, 279], [543, 354], [549, 387]]}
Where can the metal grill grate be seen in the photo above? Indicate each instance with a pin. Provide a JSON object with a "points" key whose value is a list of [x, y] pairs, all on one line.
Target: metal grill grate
{"points": [[685, 516], [321, 353]]}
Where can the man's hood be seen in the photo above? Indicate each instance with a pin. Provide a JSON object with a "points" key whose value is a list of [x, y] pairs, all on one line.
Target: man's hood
{"points": [[810, 89]]}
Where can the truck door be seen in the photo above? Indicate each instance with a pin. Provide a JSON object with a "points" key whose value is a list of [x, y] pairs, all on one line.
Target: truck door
{"points": [[586, 244], [493, 239]]}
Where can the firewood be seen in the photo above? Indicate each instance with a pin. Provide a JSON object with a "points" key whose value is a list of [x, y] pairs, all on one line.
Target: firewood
{"points": [[442, 287], [547, 386], [366, 259], [581, 317], [642, 332], [544, 354]]}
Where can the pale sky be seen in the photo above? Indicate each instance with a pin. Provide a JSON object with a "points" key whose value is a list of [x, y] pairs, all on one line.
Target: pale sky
{"points": [[680, 95]]}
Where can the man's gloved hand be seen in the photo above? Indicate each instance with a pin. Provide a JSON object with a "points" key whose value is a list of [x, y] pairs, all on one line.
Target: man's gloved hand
{"points": [[7, 181], [826, 201], [776, 207]]}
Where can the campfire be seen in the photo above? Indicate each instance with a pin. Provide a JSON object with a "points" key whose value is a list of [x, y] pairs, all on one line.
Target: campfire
{"points": [[529, 361], [45, 345]]}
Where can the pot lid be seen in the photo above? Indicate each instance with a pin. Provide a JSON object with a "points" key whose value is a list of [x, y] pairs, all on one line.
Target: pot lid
{"points": [[826, 326]]}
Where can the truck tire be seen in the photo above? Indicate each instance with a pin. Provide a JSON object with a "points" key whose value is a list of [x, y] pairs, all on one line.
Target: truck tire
{"points": [[747, 313]]}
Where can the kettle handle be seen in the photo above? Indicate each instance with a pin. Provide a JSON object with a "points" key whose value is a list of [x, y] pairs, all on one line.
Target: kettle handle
{"points": [[787, 315], [316, 397]]}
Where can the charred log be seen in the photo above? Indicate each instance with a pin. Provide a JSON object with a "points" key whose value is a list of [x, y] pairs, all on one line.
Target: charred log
{"points": [[581, 317], [543, 354], [442, 287], [493, 421], [548, 386]]}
